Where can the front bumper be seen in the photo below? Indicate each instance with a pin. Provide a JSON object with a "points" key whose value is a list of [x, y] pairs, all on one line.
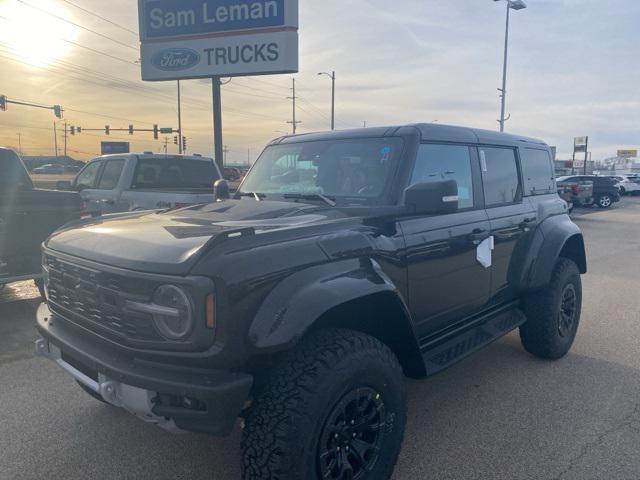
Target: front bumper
{"points": [[174, 398]]}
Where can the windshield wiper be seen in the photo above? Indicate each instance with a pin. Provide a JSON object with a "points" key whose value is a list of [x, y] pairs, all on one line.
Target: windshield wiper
{"points": [[257, 196], [312, 196]]}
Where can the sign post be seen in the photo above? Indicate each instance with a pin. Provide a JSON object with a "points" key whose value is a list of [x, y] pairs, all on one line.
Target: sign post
{"points": [[189, 39], [581, 144]]}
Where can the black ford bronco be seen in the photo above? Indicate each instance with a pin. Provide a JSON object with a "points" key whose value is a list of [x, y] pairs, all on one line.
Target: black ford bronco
{"points": [[27, 217], [344, 261]]}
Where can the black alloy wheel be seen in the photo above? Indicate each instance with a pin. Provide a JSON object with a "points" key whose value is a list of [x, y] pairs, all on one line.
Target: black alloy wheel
{"points": [[568, 310], [351, 439]]}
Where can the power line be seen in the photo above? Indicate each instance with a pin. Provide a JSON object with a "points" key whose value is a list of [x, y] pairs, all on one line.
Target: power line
{"points": [[78, 25], [101, 17], [99, 52]]}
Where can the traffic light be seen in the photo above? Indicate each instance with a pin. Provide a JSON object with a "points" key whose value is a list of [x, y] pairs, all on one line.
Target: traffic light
{"points": [[175, 140], [184, 144], [130, 129], [3, 103], [107, 130], [57, 110], [155, 132], [79, 129], [73, 130]]}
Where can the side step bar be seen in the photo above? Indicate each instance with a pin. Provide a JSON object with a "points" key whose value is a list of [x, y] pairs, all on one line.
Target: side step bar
{"points": [[443, 351]]}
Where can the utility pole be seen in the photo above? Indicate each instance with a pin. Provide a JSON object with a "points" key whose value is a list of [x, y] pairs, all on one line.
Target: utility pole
{"points": [[332, 76], [294, 122], [248, 156], [20, 143], [65, 139], [515, 5], [364, 124], [55, 138], [225, 150], [179, 118], [166, 145], [217, 121]]}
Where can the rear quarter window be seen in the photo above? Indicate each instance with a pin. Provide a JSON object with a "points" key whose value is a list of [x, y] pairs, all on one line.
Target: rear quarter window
{"points": [[537, 171], [174, 173]]}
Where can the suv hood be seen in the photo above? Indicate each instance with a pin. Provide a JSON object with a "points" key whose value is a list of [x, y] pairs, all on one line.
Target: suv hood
{"points": [[170, 242]]}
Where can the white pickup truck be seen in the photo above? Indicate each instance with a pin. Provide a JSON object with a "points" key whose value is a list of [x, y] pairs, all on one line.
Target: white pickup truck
{"points": [[134, 182]]}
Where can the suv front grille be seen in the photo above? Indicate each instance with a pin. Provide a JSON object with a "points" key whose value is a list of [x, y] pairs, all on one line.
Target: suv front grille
{"points": [[96, 300]]}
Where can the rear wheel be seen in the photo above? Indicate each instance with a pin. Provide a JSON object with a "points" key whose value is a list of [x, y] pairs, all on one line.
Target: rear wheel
{"points": [[605, 201], [335, 408], [553, 313]]}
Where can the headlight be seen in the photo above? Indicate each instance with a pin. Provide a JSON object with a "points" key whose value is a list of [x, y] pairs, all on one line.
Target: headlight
{"points": [[172, 312]]}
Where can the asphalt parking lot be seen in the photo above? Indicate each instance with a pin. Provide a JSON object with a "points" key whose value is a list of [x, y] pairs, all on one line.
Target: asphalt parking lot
{"points": [[500, 414]]}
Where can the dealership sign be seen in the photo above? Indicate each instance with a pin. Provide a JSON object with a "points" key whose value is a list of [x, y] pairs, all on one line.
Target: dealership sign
{"points": [[627, 153], [183, 39]]}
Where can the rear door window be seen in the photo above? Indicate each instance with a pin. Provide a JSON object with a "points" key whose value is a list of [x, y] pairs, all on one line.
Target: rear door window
{"points": [[537, 171], [500, 176], [175, 173], [111, 174]]}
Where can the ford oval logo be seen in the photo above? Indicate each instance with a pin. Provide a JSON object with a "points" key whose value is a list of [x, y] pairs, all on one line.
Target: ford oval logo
{"points": [[176, 59]]}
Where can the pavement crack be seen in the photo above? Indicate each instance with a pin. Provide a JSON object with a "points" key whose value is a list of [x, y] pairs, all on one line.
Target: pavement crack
{"points": [[631, 420]]}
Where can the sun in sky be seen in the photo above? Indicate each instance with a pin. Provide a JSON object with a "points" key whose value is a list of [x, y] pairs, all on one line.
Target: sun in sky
{"points": [[31, 32]]}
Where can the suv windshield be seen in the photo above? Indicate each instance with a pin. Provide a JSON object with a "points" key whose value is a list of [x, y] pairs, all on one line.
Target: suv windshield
{"points": [[354, 169], [175, 173]]}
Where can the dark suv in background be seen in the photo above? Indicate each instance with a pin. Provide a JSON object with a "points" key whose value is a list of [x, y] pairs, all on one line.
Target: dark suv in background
{"points": [[344, 261], [606, 191]]}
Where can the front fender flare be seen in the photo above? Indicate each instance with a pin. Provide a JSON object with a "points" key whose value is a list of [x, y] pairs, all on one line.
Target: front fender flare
{"points": [[294, 305]]}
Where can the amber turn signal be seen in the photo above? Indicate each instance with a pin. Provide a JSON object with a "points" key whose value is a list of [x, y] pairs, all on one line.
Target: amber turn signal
{"points": [[211, 311]]}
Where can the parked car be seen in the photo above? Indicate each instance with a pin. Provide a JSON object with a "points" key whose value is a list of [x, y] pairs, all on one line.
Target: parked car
{"points": [[49, 169], [345, 260], [627, 185], [134, 182], [576, 192], [232, 174], [605, 190], [27, 217]]}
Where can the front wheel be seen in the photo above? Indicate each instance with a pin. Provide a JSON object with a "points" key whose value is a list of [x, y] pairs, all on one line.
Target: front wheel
{"points": [[334, 408], [553, 313]]}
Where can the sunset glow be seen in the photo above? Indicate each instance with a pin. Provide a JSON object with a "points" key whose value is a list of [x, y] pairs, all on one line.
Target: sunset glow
{"points": [[31, 35]]}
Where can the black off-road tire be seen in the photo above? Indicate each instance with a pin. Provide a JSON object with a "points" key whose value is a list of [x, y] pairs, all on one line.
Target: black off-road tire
{"points": [[550, 331], [289, 425]]}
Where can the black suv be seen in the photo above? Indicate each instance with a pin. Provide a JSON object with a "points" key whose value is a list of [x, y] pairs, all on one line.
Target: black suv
{"points": [[344, 261], [605, 189]]}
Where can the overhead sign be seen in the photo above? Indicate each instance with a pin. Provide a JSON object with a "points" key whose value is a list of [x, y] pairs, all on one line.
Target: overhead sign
{"points": [[627, 153], [580, 144], [110, 148], [183, 39]]}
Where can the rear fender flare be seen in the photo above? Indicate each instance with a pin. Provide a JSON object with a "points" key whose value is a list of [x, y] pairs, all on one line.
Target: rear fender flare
{"points": [[295, 304], [553, 237]]}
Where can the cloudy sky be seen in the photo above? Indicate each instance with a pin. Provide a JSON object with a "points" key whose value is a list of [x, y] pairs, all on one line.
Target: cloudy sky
{"points": [[574, 70]]}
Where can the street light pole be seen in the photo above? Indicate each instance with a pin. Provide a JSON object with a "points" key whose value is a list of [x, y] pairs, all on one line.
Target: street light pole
{"points": [[515, 5], [332, 76]]}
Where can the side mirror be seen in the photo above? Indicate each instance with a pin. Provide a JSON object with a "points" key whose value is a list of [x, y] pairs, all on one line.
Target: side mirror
{"points": [[432, 198], [221, 190], [63, 185]]}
